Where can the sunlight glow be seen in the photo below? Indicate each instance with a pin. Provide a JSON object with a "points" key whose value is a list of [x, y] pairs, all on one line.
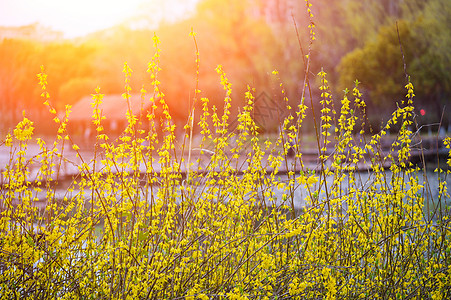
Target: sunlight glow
{"points": [[80, 17]]}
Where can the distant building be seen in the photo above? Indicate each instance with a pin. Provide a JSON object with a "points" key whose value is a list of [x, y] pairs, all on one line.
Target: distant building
{"points": [[34, 31], [114, 108]]}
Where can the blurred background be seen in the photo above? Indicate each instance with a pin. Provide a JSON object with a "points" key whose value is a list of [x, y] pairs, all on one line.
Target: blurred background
{"points": [[84, 45]]}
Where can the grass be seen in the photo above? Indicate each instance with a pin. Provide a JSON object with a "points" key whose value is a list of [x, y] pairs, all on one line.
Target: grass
{"points": [[145, 220]]}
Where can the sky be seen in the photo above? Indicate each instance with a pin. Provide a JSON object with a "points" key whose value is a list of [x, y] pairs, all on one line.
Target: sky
{"points": [[79, 17]]}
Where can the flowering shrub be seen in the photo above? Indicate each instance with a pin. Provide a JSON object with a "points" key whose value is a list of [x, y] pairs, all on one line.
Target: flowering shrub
{"points": [[144, 219]]}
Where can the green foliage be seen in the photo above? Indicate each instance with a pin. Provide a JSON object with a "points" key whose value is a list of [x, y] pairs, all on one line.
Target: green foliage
{"points": [[424, 37], [248, 38], [346, 25], [19, 61], [379, 65], [432, 61]]}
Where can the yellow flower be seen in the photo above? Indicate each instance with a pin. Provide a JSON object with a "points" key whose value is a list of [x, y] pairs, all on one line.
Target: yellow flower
{"points": [[24, 130]]}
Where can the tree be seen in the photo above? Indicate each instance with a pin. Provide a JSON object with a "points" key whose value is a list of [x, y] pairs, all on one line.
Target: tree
{"points": [[425, 38], [431, 66], [228, 34]]}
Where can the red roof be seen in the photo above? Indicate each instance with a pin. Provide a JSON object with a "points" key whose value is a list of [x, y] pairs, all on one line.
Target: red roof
{"points": [[113, 107]]}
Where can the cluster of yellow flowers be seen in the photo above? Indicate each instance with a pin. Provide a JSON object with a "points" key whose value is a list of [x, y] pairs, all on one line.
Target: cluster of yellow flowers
{"points": [[254, 222], [226, 232]]}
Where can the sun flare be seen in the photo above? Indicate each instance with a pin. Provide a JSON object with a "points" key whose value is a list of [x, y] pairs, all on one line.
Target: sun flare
{"points": [[77, 18]]}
